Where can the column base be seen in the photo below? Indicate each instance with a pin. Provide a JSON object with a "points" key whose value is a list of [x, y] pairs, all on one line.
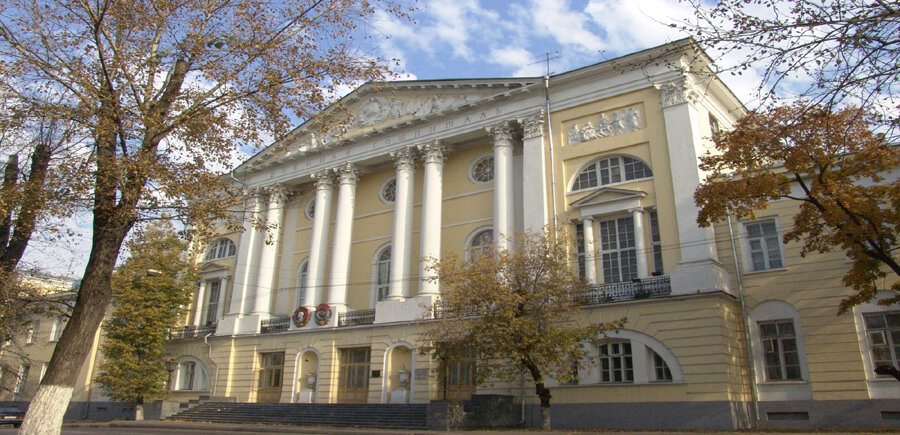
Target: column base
{"points": [[240, 324], [407, 310], [700, 277]]}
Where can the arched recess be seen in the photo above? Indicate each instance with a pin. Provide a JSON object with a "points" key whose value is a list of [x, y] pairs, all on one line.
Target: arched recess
{"points": [[880, 387], [609, 170], [399, 362], [381, 274], [190, 375], [306, 376], [773, 316], [643, 349]]}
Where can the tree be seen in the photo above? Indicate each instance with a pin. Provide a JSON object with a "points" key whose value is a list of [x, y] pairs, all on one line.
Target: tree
{"points": [[834, 165], [513, 311], [150, 289], [166, 91], [831, 52]]}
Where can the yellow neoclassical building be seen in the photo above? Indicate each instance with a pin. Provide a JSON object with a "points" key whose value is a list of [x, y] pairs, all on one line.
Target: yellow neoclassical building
{"points": [[327, 308]]}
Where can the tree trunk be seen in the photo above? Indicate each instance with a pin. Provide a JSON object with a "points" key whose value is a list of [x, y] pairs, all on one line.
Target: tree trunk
{"points": [[541, 390], [139, 412], [45, 414]]}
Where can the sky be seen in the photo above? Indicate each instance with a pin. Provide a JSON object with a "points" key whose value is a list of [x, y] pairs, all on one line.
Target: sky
{"points": [[472, 39]]}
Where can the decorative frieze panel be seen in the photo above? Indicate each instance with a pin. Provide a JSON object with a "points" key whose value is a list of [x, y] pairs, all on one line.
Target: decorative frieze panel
{"points": [[608, 124]]}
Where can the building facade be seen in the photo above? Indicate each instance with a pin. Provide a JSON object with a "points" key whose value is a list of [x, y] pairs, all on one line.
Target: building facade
{"points": [[327, 306]]}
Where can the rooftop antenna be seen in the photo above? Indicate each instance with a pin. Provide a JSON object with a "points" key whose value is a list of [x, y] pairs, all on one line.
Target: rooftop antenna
{"points": [[546, 58]]}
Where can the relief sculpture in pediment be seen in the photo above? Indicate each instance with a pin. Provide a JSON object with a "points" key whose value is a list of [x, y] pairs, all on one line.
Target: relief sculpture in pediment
{"points": [[377, 110]]}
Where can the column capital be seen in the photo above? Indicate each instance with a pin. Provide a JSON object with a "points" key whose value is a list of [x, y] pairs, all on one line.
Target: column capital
{"points": [[636, 210], [502, 134], [404, 158], [678, 91], [587, 218], [533, 125], [347, 174], [433, 152], [277, 192], [324, 179]]}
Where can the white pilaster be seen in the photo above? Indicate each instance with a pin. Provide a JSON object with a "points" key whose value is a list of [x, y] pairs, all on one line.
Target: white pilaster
{"points": [[286, 264], [343, 232], [640, 242], [401, 240], [433, 154], [590, 250], [243, 295], [265, 278], [534, 174], [315, 275], [201, 295], [699, 269], [504, 222], [223, 287]]}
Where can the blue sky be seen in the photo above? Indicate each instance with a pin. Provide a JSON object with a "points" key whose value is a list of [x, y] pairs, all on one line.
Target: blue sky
{"points": [[475, 38]]}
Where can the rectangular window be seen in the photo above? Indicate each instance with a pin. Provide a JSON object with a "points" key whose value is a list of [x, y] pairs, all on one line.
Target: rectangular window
{"points": [[59, 324], [779, 343], [883, 330], [615, 362], [272, 367], [22, 381], [212, 304], [32, 331], [663, 374], [619, 253], [610, 171], [656, 244], [763, 245], [44, 368], [354, 369], [713, 124], [188, 370]]}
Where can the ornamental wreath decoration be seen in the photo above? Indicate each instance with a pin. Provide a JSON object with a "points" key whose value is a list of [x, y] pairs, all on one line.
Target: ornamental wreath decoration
{"points": [[301, 316], [323, 314]]}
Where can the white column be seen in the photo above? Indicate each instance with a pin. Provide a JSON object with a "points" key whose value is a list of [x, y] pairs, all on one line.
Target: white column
{"points": [[343, 232], [699, 269], [223, 288], [590, 250], [201, 294], [432, 197], [401, 240], [265, 275], [247, 263], [534, 174], [504, 223], [318, 246], [640, 242], [286, 262]]}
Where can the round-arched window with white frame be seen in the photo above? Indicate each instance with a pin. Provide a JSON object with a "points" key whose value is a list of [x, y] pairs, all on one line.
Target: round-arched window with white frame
{"points": [[481, 170], [388, 192], [610, 170], [190, 375], [310, 209], [300, 285], [381, 268], [480, 244], [222, 248]]}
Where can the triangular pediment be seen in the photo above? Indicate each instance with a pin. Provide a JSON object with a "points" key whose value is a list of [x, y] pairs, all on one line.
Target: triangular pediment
{"points": [[210, 268], [376, 108], [606, 195]]}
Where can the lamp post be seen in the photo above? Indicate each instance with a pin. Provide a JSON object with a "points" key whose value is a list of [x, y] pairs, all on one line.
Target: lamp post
{"points": [[171, 365]]}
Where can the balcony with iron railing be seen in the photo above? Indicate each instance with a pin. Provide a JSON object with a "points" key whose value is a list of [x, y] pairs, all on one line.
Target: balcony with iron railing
{"points": [[193, 331], [274, 324], [355, 318], [638, 288]]}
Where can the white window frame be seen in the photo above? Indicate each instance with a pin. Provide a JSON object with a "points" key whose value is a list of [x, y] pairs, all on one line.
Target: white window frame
{"points": [[32, 331], [382, 188], [22, 381], [746, 254], [212, 252], [309, 209], [44, 368], [200, 381], [212, 310], [619, 251], [595, 163], [471, 170], [778, 342], [300, 284], [57, 328], [778, 389], [880, 387], [376, 284]]}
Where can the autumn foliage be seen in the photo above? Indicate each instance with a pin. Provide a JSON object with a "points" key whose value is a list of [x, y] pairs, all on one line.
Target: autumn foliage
{"points": [[512, 311], [841, 172]]}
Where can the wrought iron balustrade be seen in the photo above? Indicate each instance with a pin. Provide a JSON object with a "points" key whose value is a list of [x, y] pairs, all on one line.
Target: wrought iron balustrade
{"points": [[642, 288], [358, 317], [193, 331], [274, 324]]}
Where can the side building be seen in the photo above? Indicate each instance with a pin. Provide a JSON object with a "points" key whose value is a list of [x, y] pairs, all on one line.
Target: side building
{"points": [[329, 306]]}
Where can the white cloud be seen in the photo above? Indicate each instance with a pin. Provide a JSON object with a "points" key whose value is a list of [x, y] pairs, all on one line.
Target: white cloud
{"points": [[516, 57], [567, 26]]}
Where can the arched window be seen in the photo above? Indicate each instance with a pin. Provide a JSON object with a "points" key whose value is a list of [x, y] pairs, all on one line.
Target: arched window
{"points": [[611, 170], [190, 375], [481, 243], [388, 192], [222, 248], [310, 209], [302, 271], [382, 266]]}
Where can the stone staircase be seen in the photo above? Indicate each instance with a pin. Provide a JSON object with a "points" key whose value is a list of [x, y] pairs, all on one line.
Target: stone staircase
{"points": [[387, 416]]}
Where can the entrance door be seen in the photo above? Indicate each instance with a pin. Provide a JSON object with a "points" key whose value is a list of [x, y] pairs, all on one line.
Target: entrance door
{"points": [[353, 386], [457, 379], [270, 374]]}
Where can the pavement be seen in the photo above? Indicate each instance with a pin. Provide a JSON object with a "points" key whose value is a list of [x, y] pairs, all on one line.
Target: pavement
{"points": [[175, 426]]}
